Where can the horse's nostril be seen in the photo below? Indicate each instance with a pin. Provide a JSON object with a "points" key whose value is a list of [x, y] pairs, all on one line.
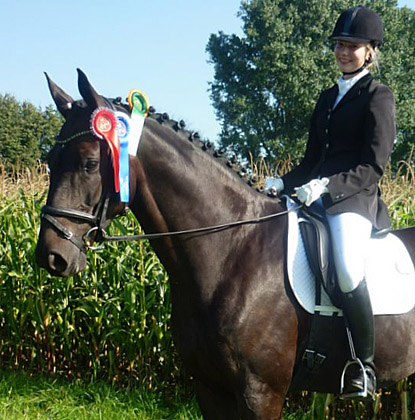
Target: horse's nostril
{"points": [[57, 263]]}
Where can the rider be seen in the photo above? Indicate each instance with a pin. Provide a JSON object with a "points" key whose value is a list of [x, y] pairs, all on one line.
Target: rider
{"points": [[350, 141]]}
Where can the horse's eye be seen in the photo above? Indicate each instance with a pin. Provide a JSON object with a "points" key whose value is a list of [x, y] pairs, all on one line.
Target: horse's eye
{"points": [[91, 165]]}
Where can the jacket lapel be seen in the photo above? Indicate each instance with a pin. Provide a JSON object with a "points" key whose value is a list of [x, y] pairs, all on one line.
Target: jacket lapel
{"points": [[331, 96], [355, 90]]}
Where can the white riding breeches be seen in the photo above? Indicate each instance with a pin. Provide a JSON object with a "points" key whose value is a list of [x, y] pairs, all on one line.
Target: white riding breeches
{"points": [[350, 234]]}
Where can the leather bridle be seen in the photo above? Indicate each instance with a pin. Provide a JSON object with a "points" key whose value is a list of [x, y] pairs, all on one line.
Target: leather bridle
{"points": [[96, 220]]}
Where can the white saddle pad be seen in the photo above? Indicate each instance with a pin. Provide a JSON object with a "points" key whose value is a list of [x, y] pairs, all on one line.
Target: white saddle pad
{"points": [[390, 274]]}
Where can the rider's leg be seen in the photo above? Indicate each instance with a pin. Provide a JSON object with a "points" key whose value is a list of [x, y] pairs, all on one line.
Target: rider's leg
{"points": [[351, 234]]}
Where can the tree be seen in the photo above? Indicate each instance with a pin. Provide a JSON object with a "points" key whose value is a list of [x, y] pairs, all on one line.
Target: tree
{"points": [[398, 72], [26, 132], [266, 82]]}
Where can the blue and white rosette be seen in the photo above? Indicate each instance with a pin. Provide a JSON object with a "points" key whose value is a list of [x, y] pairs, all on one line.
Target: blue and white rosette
{"points": [[123, 130]]}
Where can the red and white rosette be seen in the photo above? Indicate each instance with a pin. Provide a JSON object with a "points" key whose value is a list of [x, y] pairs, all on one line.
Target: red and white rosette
{"points": [[104, 126]]}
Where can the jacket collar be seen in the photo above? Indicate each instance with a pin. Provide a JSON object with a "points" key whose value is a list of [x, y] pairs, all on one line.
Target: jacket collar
{"points": [[363, 83]]}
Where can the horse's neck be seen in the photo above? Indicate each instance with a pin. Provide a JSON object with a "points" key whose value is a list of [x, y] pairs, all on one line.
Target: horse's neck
{"points": [[182, 187], [189, 187]]}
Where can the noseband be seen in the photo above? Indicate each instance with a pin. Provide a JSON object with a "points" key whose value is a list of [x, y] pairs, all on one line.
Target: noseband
{"points": [[96, 221]]}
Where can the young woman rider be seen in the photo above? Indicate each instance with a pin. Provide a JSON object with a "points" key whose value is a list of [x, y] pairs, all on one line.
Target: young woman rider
{"points": [[350, 141]]}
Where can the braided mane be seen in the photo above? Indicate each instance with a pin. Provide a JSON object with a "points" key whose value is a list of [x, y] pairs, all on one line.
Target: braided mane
{"points": [[225, 155]]}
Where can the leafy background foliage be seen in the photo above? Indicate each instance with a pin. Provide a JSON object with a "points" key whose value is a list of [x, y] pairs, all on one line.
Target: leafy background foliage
{"points": [[26, 132], [267, 82]]}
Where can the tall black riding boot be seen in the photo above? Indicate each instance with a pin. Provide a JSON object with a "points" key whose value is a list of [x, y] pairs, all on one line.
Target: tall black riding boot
{"points": [[358, 314]]}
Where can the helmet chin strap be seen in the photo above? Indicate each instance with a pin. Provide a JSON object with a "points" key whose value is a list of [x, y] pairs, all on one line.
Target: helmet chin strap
{"points": [[349, 73]]}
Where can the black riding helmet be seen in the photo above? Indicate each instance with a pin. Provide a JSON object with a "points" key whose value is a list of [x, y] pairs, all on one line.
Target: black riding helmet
{"points": [[359, 24]]}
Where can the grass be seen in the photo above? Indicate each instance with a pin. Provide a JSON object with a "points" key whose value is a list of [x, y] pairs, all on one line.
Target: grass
{"points": [[24, 397], [32, 397]]}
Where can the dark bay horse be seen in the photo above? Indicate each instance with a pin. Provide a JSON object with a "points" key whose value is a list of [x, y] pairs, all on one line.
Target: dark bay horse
{"points": [[236, 324]]}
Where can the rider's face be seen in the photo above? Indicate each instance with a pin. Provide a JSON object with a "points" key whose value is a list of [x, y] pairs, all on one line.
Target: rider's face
{"points": [[350, 56]]}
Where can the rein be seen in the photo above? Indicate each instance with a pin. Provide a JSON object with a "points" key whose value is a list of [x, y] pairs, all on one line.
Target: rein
{"points": [[206, 229], [88, 239]]}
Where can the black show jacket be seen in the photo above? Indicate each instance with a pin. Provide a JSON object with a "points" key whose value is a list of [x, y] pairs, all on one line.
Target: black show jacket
{"points": [[350, 145]]}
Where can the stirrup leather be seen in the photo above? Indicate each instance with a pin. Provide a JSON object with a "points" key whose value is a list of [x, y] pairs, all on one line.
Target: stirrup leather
{"points": [[362, 394]]}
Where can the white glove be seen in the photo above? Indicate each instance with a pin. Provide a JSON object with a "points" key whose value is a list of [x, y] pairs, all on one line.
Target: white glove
{"points": [[274, 184], [308, 193]]}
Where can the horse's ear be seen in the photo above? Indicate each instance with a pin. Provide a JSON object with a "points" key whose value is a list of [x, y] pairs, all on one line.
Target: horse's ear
{"points": [[89, 94], [62, 100]]}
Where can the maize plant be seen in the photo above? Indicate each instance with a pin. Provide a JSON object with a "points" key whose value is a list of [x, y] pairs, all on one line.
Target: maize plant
{"points": [[112, 321]]}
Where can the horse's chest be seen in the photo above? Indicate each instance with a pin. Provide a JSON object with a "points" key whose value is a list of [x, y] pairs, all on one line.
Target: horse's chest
{"points": [[205, 360], [203, 344]]}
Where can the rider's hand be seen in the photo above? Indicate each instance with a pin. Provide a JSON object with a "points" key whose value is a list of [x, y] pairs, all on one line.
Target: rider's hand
{"points": [[274, 184], [308, 193]]}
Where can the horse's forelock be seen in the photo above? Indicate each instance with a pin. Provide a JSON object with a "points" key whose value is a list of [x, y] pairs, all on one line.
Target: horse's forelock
{"points": [[80, 104]]}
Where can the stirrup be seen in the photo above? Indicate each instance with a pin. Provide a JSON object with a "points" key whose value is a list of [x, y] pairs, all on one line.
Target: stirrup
{"points": [[360, 394]]}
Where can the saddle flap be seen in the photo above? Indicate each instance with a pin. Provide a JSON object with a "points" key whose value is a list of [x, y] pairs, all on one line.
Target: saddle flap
{"points": [[317, 242]]}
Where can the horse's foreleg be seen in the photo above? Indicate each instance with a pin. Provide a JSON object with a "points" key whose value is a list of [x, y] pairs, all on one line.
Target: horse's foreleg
{"points": [[216, 404], [261, 401], [257, 402]]}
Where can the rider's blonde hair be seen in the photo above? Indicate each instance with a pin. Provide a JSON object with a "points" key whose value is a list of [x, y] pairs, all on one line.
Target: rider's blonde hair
{"points": [[374, 54]]}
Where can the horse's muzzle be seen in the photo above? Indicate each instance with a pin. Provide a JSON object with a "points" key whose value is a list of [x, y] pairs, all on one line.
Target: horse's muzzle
{"points": [[57, 255]]}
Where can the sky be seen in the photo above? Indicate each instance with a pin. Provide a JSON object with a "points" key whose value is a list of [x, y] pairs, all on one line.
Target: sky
{"points": [[157, 46]]}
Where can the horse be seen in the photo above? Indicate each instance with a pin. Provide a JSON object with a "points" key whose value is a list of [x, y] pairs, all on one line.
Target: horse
{"points": [[237, 326]]}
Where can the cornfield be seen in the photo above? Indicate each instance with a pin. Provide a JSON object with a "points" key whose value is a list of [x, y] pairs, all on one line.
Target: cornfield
{"points": [[112, 321]]}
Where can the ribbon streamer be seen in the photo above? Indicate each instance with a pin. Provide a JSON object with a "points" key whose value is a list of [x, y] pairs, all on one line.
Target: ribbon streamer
{"points": [[123, 130], [139, 110], [104, 126]]}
